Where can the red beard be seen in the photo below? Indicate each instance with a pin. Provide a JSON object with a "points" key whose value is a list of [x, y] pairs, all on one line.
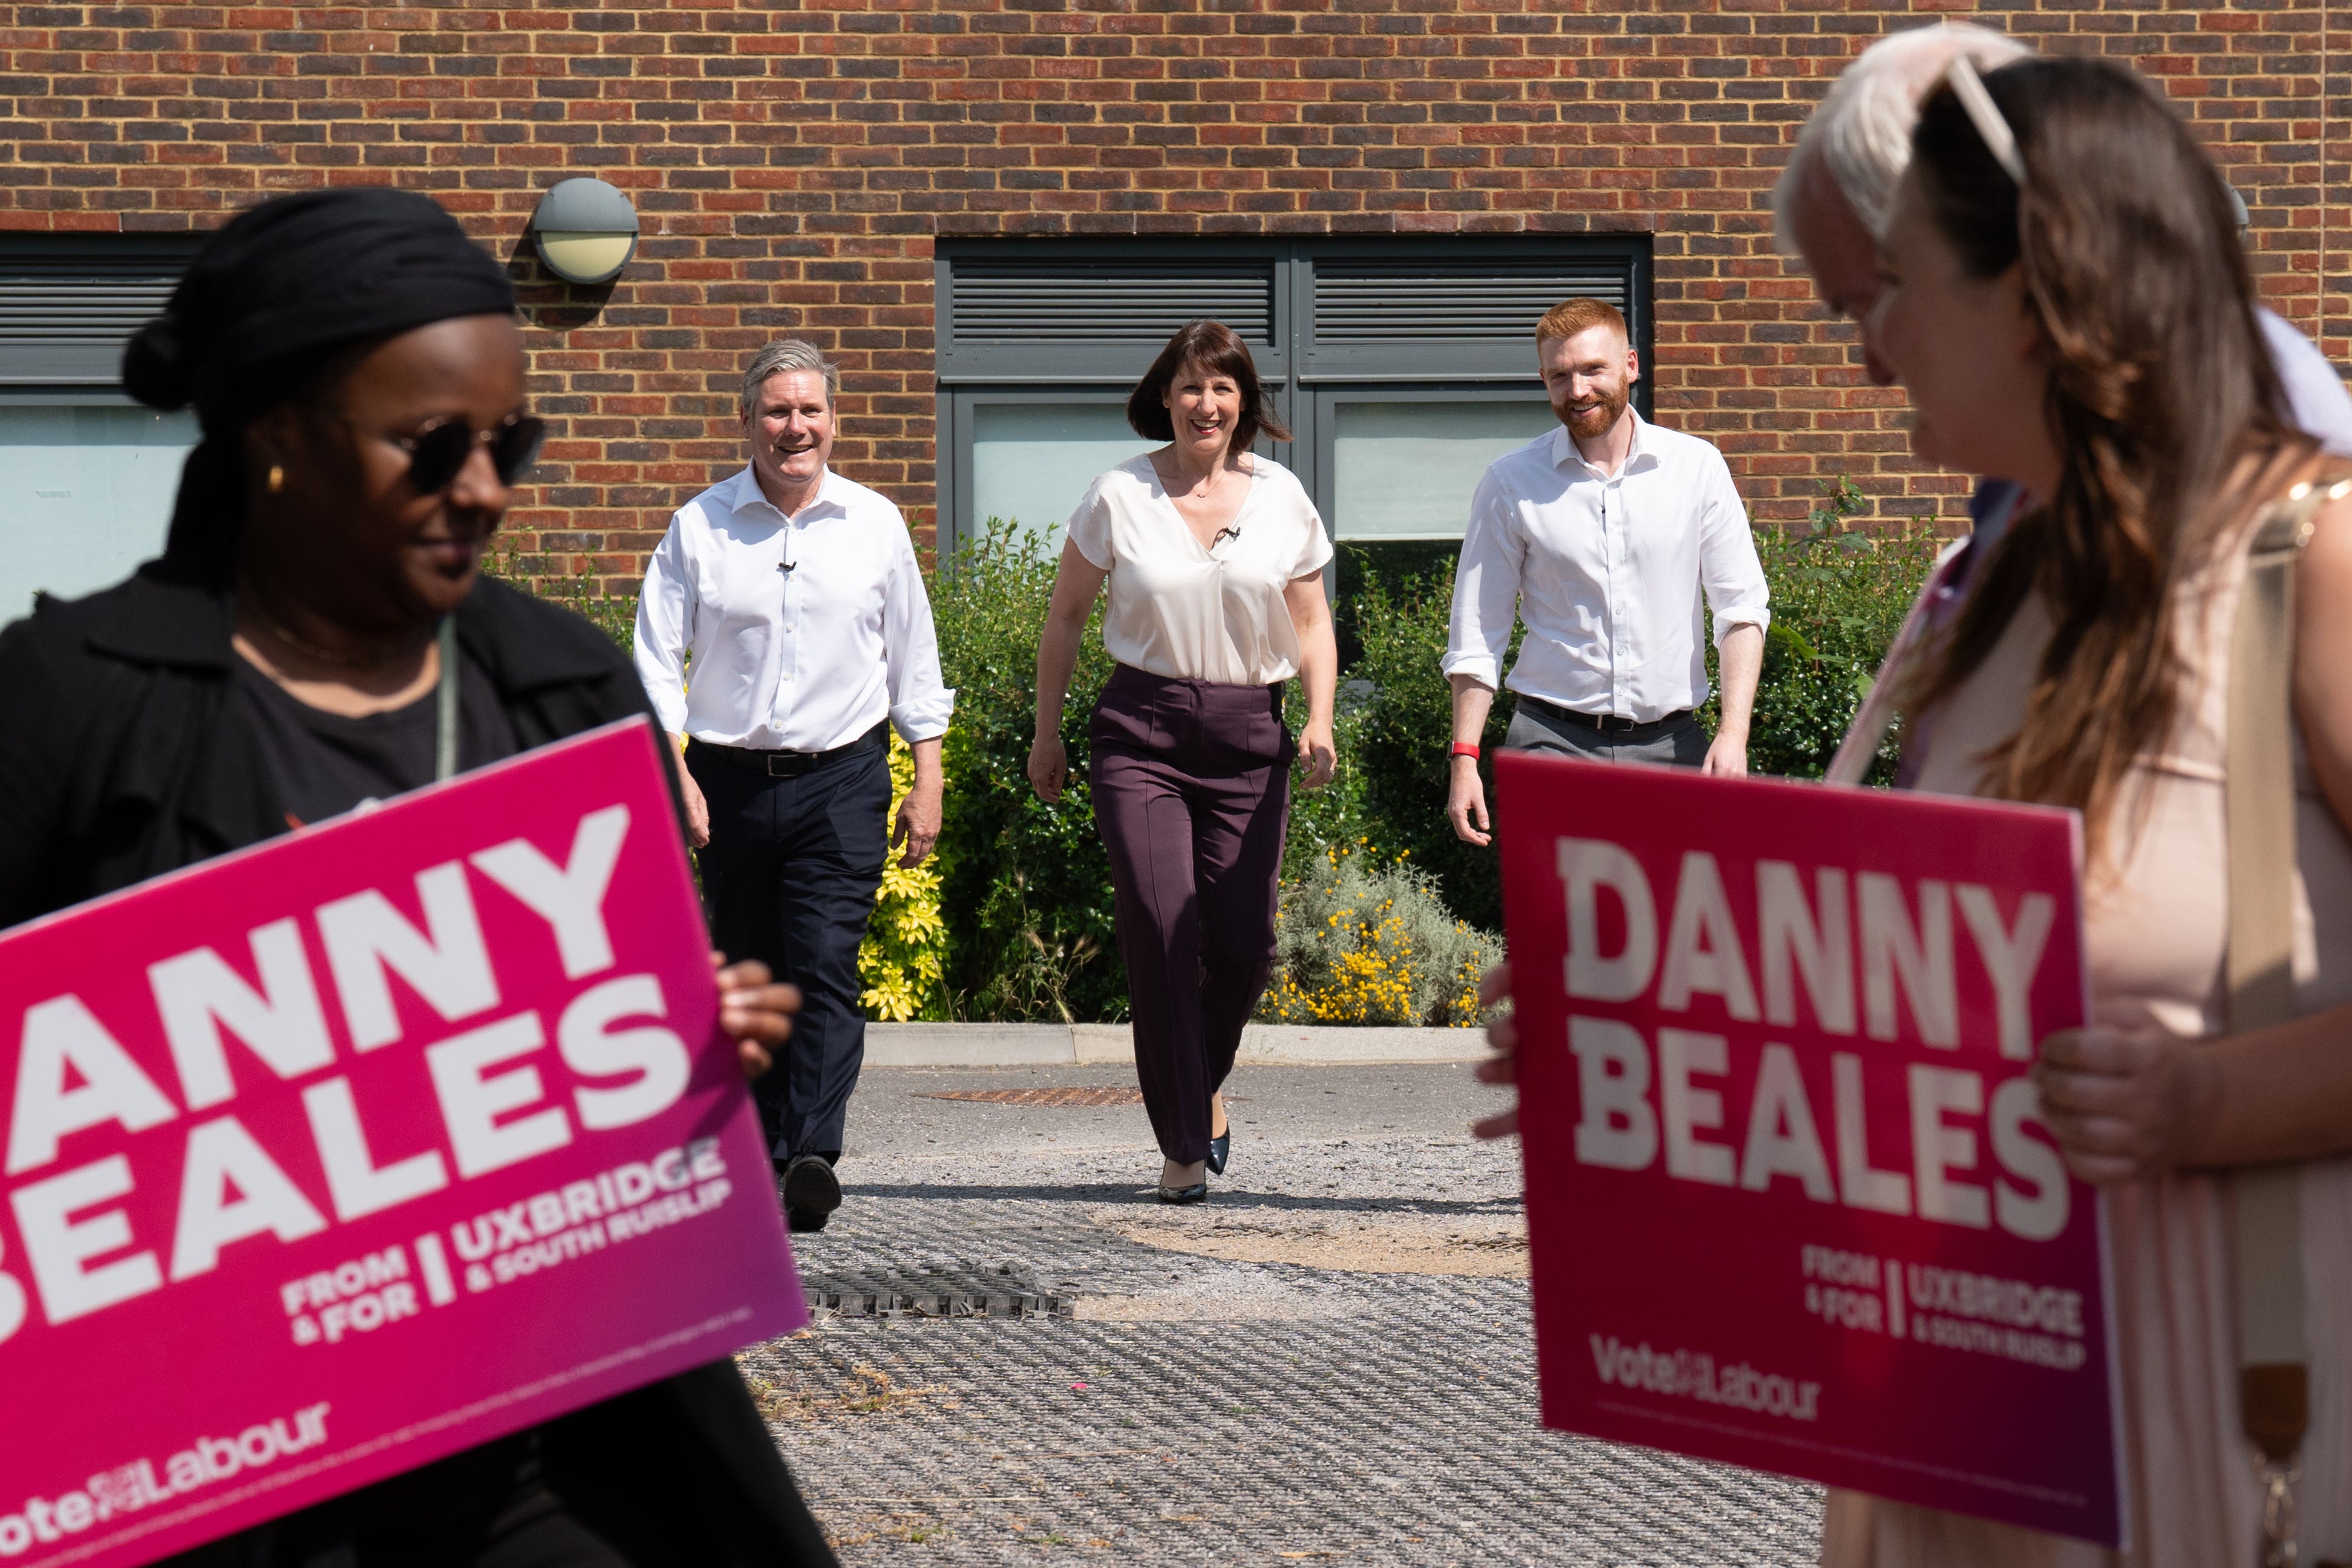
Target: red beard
{"points": [[1593, 422]]}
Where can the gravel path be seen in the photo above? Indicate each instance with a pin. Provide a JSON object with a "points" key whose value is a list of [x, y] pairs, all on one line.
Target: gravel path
{"points": [[1330, 1360]]}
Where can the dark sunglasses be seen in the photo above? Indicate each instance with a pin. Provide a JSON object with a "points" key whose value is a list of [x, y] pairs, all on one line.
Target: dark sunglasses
{"points": [[436, 453]]}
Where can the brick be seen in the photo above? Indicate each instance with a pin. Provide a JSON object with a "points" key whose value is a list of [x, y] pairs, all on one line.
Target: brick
{"points": [[794, 165]]}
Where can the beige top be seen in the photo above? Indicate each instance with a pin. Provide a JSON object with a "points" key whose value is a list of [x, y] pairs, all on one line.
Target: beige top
{"points": [[1191, 614], [2157, 935]]}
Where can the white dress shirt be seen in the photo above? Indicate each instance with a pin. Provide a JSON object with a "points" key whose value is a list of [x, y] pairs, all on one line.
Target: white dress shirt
{"points": [[1607, 572], [802, 660]]}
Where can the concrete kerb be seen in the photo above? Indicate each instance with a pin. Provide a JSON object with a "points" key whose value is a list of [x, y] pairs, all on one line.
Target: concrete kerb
{"points": [[1050, 1045]]}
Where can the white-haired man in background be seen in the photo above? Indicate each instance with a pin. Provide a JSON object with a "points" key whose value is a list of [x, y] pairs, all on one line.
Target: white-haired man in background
{"points": [[1836, 198]]}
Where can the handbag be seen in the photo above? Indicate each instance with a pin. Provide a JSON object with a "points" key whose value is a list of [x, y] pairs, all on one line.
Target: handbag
{"points": [[2274, 1382]]}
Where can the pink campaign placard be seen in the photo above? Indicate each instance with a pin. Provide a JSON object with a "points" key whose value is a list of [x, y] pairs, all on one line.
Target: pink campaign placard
{"points": [[1790, 1201], [337, 1155]]}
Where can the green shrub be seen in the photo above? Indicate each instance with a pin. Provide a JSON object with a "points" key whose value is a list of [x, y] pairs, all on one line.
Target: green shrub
{"points": [[1025, 886], [1364, 939], [1839, 595], [1396, 619]]}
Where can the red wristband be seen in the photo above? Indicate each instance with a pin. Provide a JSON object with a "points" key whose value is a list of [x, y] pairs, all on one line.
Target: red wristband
{"points": [[1464, 749]]}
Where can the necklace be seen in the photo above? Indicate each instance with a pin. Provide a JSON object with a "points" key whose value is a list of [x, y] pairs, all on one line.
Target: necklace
{"points": [[252, 605]]}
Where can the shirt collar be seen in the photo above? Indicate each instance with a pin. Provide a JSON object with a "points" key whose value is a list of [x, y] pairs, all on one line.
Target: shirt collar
{"points": [[747, 492], [1564, 452]]}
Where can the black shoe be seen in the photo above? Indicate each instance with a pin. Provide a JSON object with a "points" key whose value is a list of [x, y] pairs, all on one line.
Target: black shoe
{"points": [[1219, 1147], [1197, 1193], [810, 1189], [801, 1221]]}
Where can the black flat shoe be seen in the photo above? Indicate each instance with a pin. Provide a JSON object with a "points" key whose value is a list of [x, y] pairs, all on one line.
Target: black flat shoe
{"points": [[1197, 1193], [1219, 1147], [802, 1222]]}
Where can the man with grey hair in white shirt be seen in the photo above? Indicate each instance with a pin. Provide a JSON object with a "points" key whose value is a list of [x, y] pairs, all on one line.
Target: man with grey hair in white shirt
{"points": [[1602, 537], [798, 597]]}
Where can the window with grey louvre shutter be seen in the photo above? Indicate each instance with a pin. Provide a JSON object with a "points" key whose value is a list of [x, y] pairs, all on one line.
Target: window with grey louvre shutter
{"points": [[1372, 318], [68, 302]]}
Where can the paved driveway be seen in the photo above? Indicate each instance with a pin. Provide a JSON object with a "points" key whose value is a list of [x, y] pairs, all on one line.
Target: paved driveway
{"points": [[1329, 1362]]}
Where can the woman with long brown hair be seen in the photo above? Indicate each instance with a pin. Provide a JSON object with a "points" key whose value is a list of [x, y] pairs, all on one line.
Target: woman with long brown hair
{"points": [[2066, 304]]}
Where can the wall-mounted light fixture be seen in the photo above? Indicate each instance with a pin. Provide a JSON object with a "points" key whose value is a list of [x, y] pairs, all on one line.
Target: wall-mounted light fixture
{"points": [[585, 230]]}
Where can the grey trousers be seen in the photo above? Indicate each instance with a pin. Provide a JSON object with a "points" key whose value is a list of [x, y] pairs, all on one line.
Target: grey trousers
{"points": [[1681, 743]]}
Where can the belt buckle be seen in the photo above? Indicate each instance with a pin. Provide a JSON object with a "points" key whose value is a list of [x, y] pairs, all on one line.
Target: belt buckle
{"points": [[772, 758]]}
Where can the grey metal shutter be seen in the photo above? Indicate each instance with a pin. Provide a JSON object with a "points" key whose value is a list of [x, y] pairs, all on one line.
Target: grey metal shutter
{"points": [[1380, 318], [1070, 313], [1375, 302], [995, 302], [69, 302]]}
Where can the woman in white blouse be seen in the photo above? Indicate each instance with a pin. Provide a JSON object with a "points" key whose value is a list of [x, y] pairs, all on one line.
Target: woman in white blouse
{"points": [[1214, 557]]}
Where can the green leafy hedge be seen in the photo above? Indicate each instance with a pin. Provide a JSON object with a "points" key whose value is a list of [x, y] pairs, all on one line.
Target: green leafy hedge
{"points": [[1025, 886]]}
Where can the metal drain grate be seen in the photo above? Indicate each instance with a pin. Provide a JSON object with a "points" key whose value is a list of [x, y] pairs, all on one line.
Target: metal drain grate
{"points": [[1112, 1094], [936, 1290]]}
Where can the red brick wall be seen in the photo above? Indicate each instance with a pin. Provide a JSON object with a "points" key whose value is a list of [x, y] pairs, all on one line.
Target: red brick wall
{"points": [[792, 160]]}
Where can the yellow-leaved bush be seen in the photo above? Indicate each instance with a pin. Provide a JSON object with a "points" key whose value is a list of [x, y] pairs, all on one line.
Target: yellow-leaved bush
{"points": [[900, 961], [1364, 939]]}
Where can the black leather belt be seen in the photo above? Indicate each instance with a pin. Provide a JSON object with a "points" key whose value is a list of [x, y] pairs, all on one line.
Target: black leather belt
{"points": [[792, 764], [1607, 723]]}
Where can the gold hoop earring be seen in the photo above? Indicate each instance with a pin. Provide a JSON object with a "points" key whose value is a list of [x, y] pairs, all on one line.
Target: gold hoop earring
{"points": [[277, 479]]}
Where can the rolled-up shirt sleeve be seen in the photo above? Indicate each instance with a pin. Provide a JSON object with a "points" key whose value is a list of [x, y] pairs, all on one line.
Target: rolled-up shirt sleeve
{"points": [[920, 699], [1727, 567], [1486, 588], [665, 605]]}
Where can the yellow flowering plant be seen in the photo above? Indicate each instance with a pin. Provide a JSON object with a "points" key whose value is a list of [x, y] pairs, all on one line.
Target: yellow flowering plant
{"points": [[1364, 939], [901, 963]]}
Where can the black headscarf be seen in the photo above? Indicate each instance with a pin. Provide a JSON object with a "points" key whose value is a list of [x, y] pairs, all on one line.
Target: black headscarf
{"points": [[270, 298]]}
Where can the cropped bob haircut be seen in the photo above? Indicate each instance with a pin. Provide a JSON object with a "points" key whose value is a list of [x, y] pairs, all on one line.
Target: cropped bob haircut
{"points": [[1212, 346]]}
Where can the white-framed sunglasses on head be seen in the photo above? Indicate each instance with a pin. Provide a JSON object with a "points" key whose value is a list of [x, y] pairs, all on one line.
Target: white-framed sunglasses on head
{"points": [[1986, 115]]}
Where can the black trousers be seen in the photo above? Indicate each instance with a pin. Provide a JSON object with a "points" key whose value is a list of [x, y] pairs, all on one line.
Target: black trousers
{"points": [[790, 875]]}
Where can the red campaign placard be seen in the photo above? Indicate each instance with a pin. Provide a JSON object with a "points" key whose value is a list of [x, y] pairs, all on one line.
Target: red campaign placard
{"points": [[344, 1153], [1790, 1201]]}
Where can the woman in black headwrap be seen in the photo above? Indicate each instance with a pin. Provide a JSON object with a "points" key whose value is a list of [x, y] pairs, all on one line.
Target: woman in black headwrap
{"points": [[359, 375]]}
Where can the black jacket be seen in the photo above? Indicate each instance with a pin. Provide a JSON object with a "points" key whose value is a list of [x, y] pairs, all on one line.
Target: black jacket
{"points": [[120, 759]]}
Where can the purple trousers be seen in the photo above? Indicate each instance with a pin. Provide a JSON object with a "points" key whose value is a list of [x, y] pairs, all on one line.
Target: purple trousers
{"points": [[1192, 795]]}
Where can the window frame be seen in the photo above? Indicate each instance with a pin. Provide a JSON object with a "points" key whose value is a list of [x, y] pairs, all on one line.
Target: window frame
{"points": [[1323, 431], [1303, 377]]}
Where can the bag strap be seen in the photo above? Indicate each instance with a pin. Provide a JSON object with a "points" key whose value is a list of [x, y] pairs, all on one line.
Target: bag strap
{"points": [[2259, 807], [445, 717]]}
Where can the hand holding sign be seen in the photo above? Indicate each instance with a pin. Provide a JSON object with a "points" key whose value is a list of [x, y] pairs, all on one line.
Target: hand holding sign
{"points": [[754, 1011]]}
